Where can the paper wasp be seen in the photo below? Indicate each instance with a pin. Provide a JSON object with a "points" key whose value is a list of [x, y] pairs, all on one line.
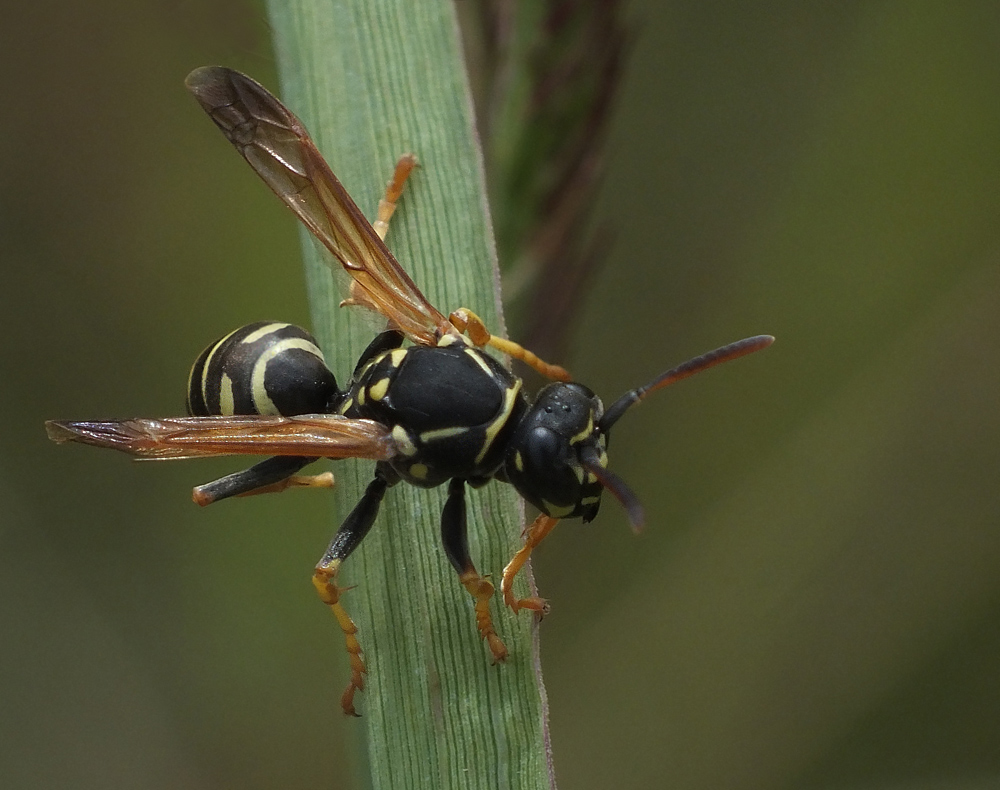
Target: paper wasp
{"points": [[437, 410]]}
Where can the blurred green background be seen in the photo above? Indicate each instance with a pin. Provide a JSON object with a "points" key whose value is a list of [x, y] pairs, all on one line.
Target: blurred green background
{"points": [[816, 600]]}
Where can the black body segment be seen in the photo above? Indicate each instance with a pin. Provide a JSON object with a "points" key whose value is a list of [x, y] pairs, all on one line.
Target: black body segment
{"points": [[451, 408], [266, 473], [358, 522], [268, 368]]}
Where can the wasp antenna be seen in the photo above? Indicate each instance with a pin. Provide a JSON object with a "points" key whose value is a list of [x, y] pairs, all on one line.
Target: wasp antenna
{"points": [[619, 488], [724, 354]]}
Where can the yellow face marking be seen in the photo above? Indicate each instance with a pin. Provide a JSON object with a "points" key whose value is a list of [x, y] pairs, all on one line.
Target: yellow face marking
{"points": [[476, 355], [261, 399], [441, 433], [509, 396], [227, 403], [403, 441], [518, 461], [591, 478], [586, 432], [419, 471], [603, 460], [590, 500], [577, 473], [377, 390], [396, 356], [264, 331], [556, 511]]}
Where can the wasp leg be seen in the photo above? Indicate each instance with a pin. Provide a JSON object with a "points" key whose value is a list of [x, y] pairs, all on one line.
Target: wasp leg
{"points": [[393, 191], [270, 476], [350, 534], [533, 535], [454, 535], [386, 208], [471, 324]]}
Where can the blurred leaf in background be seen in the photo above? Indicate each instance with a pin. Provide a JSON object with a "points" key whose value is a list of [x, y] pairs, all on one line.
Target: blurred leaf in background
{"points": [[816, 600]]}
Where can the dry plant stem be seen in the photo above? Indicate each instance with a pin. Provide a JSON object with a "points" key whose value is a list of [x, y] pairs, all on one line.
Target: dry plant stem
{"points": [[371, 81]]}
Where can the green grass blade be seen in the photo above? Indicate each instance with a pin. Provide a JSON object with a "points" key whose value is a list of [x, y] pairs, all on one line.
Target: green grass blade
{"points": [[370, 81]]}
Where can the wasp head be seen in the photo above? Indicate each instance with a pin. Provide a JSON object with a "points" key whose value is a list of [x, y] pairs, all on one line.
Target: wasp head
{"points": [[557, 459]]}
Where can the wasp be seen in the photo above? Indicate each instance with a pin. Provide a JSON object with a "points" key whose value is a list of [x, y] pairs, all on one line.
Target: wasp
{"points": [[436, 410]]}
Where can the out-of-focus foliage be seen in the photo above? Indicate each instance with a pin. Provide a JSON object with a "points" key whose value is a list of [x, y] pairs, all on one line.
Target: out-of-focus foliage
{"points": [[816, 600], [545, 76]]}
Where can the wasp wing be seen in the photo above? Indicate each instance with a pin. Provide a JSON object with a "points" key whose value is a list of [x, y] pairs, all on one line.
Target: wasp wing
{"points": [[279, 148], [319, 435]]}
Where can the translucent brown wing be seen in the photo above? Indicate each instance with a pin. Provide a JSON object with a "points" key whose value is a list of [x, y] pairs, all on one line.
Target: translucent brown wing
{"points": [[319, 435], [278, 147]]}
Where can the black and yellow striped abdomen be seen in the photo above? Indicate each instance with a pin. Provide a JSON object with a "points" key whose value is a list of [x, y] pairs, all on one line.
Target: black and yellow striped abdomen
{"points": [[262, 368]]}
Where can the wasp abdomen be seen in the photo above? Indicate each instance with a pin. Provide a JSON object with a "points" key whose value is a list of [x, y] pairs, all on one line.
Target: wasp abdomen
{"points": [[262, 368]]}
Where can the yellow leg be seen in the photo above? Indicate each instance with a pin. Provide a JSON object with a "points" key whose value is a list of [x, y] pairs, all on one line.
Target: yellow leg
{"points": [[393, 190], [533, 535], [482, 590], [386, 208], [471, 324], [325, 581]]}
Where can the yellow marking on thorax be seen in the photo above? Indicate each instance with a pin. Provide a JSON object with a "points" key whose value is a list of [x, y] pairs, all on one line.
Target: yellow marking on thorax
{"points": [[441, 433], [510, 395], [378, 390], [452, 338], [396, 356], [518, 461], [419, 471], [476, 355], [403, 441], [346, 405]]}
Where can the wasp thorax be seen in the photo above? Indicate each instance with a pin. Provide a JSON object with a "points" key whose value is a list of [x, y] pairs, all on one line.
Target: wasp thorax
{"points": [[545, 458]]}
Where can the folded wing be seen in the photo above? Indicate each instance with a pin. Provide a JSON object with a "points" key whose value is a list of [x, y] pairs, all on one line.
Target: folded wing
{"points": [[319, 435], [279, 149]]}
